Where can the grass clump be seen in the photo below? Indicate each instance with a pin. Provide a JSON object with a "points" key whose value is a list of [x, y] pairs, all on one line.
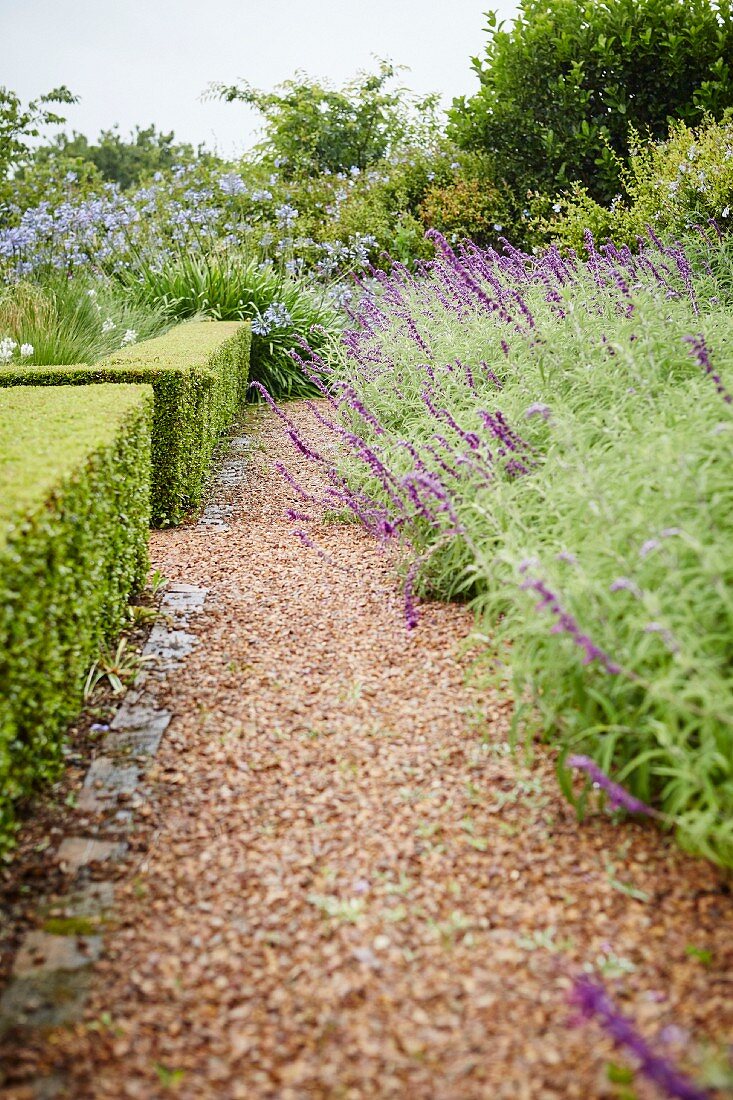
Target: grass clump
{"points": [[76, 320], [230, 286], [74, 515]]}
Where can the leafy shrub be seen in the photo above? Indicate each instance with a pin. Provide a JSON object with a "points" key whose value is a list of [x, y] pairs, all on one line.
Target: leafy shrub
{"points": [[20, 123], [126, 161], [74, 511], [672, 186], [469, 205], [553, 439], [198, 373], [312, 129], [561, 88], [381, 205]]}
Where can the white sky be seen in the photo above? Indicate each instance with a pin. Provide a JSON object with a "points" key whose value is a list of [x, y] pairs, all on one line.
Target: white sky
{"points": [[142, 61]]}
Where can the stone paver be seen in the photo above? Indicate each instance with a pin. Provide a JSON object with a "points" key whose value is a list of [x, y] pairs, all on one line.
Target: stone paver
{"points": [[106, 782], [47, 999], [41, 952], [168, 647], [76, 852]]}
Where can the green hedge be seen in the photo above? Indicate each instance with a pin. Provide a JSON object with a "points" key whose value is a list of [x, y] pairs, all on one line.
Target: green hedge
{"points": [[74, 514], [199, 373]]}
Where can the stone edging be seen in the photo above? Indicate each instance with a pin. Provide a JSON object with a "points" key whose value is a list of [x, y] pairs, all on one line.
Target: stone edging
{"points": [[51, 972]]}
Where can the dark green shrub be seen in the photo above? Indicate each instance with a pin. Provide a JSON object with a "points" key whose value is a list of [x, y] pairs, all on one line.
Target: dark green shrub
{"points": [[561, 88], [74, 514], [199, 377]]}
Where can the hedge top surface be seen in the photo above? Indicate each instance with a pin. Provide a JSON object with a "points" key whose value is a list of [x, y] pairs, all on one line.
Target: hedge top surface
{"points": [[46, 433], [183, 347]]}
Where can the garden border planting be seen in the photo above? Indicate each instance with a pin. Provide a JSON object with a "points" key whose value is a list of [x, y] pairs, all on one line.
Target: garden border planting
{"points": [[199, 374], [74, 514]]}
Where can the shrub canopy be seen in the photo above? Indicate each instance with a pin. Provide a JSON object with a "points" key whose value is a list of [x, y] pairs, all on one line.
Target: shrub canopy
{"points": [[561, 88]]}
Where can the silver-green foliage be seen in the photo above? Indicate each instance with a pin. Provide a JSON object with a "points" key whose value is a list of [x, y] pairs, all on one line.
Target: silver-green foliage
{"points": [[621, 508]]}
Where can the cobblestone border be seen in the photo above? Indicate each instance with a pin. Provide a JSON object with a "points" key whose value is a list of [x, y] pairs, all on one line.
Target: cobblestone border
{"points": [[52, 969]]}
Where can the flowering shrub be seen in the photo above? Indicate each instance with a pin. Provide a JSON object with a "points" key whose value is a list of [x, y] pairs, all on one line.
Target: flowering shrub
{"points": [[674, 186], [195, 242], [551, 436], [193, 209]]}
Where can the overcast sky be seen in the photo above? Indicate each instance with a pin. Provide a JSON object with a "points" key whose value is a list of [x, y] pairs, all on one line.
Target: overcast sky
{"points": [[142, 61]]}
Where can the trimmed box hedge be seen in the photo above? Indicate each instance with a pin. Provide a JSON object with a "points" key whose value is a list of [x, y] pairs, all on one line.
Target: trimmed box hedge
{"points": [[74, 518], [199, 374]]}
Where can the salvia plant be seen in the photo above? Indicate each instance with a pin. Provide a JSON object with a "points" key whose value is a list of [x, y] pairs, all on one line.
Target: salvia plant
{"points": [[551, 437], [592, 1003]]}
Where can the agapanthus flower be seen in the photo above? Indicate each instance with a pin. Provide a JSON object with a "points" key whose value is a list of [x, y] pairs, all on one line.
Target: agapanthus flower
{"points": [[231, 184], [7, 348], [285, 215], [130, 337], [26, 351]]}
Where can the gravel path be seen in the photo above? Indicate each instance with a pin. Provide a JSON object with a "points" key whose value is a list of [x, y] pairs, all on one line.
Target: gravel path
{"points": [[347, 888]]}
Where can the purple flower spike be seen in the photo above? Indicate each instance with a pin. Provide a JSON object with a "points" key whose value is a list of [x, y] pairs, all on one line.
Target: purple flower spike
{"points": [[566, 623], [618, 797], [589, 997], [538, 409], [412, 616], [699, 349]]}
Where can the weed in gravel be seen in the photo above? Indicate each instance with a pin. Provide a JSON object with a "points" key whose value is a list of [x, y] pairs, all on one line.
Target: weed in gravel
{"points": [[627, 888], [342, 910], [120, 667]]}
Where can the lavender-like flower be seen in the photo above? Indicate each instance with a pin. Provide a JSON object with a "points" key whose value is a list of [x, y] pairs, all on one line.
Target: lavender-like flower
{"points": [[618, 797], [685, 269], [589, 997], [411, 613], [538, 409], [625, 584], [699, 350], [567, 624]]}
